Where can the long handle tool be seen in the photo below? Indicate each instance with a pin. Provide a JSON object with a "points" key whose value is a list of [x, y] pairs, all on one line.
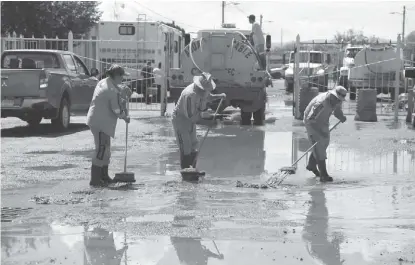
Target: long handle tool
{"points": [[291, 170]]}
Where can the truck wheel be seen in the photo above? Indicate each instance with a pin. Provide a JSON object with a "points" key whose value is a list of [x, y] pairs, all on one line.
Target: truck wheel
{"points": [[289, 88], [64, 116], [352, 95], [34, 120], [259, 117], [246, 118], [343, 82]]}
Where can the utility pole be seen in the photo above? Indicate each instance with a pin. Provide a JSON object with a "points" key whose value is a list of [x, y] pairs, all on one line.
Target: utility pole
{"points": [[260, 21], [403, 24], [223, 12]]}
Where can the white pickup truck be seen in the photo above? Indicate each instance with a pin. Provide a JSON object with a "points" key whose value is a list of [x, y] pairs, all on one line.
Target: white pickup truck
{"points": [[50, 84]]}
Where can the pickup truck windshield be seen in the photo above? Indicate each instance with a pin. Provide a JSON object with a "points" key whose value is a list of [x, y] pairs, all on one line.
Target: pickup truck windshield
{"points": [[29, 60]]}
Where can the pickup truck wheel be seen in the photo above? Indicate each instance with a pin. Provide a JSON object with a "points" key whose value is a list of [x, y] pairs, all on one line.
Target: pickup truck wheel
{"points": [[259, 116], [64, 116], [34, 121]]}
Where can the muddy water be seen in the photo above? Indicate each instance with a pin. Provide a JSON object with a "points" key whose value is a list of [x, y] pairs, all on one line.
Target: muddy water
{"points": [[364, 217]]}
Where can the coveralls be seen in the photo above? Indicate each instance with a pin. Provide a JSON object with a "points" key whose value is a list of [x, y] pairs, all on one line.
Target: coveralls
{"points": [[316, 120], [185, 115], [104, 111]]}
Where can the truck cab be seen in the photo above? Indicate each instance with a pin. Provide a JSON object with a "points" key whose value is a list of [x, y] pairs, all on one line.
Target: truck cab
{"points": [[313, 69], [348, 62], [235, 65]]}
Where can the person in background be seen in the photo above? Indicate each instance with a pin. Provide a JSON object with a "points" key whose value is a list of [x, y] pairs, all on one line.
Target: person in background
{"points": [[316, 119], [189, 110], [258, 37], [158, 80], [107, 106], [147, 74]]}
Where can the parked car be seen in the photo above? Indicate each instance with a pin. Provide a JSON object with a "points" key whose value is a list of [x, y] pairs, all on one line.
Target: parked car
{"points": [[45, 84], [278, 72]]}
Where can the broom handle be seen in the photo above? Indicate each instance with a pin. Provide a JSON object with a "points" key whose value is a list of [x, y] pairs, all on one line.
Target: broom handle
{"points": [[204, 137], [126, 136]]}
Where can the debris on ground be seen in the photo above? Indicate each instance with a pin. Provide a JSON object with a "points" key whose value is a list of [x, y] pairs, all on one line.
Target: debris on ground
{"points": [[48, 200], [240, 184]]}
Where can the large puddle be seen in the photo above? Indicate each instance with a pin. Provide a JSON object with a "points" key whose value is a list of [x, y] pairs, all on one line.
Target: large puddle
{"points": [[316, 244]]}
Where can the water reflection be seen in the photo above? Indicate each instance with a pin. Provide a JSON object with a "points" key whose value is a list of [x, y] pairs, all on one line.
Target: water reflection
{"points": [[100, 248], [316, 231], [190, 251]]}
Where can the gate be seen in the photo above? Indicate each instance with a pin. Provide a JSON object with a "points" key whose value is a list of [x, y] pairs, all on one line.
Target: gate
{"points": [[100, 54]]}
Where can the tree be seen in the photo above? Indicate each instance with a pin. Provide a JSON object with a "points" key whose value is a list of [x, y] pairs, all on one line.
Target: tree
{"points": [[51, 19], [353, 36]]}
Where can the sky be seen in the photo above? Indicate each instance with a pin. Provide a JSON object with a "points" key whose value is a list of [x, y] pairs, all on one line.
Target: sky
{"points": [[312, 20]]}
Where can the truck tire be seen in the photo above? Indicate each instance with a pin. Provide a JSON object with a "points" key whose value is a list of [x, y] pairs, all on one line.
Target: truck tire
{"points": [[34, 120], [344, 82], [259, 117], [64, 116], [289, 88], [352, 94], [246, 118]]}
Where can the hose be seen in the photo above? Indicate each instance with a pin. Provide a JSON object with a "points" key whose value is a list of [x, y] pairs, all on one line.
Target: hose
{"points": [[191, 54]]}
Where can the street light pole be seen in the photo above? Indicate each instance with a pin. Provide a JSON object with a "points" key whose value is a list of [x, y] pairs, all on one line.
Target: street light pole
{"points": [[403, 24], [223, 12]]}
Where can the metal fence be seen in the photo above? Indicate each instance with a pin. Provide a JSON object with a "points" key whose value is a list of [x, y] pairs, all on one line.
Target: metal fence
{"points": [[391, 87], [100, 54]]}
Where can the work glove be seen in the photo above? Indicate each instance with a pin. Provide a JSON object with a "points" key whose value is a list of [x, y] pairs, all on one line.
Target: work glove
{"points": [[343, 119], [127, 119], [221, 256]]}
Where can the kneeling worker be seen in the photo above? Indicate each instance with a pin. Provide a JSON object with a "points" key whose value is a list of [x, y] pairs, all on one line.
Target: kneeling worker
{"points": [[189, 110], [106, 107], [316, 120]]}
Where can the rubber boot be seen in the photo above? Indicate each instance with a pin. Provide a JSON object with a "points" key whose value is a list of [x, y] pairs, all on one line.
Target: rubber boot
{"points": [[324, 176], [96, 174], [194, 156], [312, 166], [105, 177]]}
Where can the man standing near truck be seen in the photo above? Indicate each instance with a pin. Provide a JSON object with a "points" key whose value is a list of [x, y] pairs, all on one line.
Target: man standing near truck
{"points": [[147, 82], [258, 37], [316, 120], [190, 109]]}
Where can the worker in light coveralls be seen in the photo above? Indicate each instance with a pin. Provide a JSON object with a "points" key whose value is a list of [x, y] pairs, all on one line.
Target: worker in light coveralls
{"points": [[316, 120], [189, 110], [107, 106]]}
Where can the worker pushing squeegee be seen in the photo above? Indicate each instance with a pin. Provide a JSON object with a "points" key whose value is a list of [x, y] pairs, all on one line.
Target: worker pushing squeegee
{"points": [[190, 109], [316, 120]]}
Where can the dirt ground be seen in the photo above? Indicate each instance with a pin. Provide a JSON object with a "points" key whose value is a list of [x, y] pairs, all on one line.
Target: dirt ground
{"points": [[50, 215]]}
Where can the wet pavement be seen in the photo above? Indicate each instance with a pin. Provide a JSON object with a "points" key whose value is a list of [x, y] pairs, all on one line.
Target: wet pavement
{"points": [[51, 216]]}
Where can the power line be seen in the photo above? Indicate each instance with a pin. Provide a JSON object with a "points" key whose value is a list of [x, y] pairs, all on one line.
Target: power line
{"points": [[165, 16]]}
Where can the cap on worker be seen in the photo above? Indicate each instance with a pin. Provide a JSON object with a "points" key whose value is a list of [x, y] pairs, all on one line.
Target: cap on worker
{"points": [[204, 81], [339, 92], [116, 69]]}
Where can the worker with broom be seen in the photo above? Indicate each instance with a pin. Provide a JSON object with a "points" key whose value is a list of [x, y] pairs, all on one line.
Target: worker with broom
{"points": [[316, 120], [189, 110], [107, 106]]}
